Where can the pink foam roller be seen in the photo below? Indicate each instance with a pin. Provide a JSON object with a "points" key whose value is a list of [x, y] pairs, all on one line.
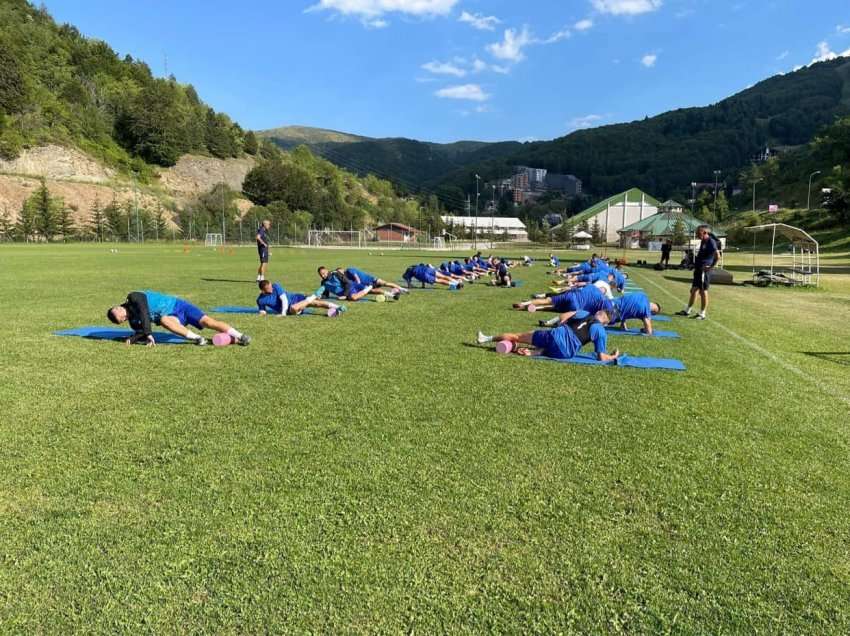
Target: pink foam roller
{"points": [[222, 340], [333, 312], [504, 347], [531, 308]]}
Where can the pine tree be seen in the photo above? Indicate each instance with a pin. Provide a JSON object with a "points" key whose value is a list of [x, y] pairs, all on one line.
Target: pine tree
{"points": [[6, 225], [97, 221], [722, 206], [116, 222], [596, 232], [679, 236], [44, 210], [25, 227], [250, 144], [65, 222], [160, 227]]}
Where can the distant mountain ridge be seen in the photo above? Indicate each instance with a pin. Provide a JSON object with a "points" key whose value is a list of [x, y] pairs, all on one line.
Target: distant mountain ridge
{"points": [[661, 154]]}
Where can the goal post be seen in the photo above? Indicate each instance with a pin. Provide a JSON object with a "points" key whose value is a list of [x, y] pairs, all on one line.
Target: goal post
{"points": [[214, 240]]}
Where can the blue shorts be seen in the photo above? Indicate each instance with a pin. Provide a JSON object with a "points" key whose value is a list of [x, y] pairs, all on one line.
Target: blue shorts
{"points": [[702, 278], [368, 280], [264, 253], [188, 314], [294, 299], [553, 342]]}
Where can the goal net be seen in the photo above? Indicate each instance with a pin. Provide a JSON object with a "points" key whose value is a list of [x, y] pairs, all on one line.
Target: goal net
{"points": [[336, 238], [214, 240]]}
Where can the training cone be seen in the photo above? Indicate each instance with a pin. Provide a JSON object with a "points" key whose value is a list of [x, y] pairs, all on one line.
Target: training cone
{"points": [[531, 308], [504, 347], [222, 340]]}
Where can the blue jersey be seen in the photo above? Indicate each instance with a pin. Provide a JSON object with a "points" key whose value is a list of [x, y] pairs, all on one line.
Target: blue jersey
{"points": [[334, 284], [503, 270], [159, 305], [707, 253], [619, 279], [263, 234], [635, 305], [457, 269], [271, 302], [593, 277], [562, 342], [584, 268], [352, 274], [589, 299]]}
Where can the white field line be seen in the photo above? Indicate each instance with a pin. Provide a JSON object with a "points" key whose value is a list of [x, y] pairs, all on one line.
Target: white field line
{"points": [[828, 390]]}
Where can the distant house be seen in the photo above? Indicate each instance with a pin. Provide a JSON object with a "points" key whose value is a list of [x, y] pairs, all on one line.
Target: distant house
{"points": [[659, 227], [615, 213], [484, 226], [397, 232]]}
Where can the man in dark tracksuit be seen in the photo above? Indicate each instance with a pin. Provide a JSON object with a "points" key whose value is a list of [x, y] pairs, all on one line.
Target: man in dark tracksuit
{"points": [[706, 259]]}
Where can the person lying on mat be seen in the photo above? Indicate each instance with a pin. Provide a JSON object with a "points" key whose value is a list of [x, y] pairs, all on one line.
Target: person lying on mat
{"points": [[502, 276], [588, 299], [336, 283], [614, 279], [144, 308], [428, 275], [359, 277], [275, 300], [585, 267], [635, 306], [563, 342], [601, 285]]}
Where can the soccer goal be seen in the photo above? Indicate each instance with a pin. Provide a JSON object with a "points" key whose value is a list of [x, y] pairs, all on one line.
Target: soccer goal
{"points": [[336, 238], [214, 240]]}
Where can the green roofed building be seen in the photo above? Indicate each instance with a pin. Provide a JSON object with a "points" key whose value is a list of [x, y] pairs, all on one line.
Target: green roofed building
{"points": [[659, 227], [614, 213]]}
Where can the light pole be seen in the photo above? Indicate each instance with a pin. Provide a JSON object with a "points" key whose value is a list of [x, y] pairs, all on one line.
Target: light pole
{"points": [[809, 199], [693, 196], [716, 179], [475, 222], [754, 193]]}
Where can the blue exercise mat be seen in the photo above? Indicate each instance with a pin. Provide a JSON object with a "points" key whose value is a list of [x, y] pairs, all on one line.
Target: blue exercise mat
{"points": [[656, 333], [662, 319], [623, 361], [107, 333], [417, 286]]}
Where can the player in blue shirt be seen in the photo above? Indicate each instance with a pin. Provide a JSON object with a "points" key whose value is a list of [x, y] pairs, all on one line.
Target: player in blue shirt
{"points": [[358, 276], [428, 275], [446, 270], [337, 283], [563, 342], [589, 299], [706, 259], [263, 243], [502, 276], [275, 300], [635, 306], [144, 308]]}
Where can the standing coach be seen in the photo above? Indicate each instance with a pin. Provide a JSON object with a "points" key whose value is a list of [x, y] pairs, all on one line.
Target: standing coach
{"points": [[263, 240], [706, 259]]}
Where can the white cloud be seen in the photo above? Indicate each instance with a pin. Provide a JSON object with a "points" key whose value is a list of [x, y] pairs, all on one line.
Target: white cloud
{"points": [[471, 92], [583, 25], [626, 7], [586, 121], [444, 68], [563, 34], [649, 60], [783, 55], [371, 12], [479, 21], [511, 46], [825, 54], [842, 29]]}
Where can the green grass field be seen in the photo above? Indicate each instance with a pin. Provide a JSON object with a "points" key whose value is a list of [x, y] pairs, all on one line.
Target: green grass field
{"points": [[375, 474]]}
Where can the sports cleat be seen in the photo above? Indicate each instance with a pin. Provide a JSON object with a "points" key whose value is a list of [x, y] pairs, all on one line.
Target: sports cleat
{"points": [[244, 340], [460, 285], [699, 317], [201, 342], [341, 309], [481, 338]]}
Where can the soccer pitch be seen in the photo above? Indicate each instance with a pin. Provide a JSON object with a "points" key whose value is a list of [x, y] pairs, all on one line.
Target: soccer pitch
{"points": [[374, 473]]}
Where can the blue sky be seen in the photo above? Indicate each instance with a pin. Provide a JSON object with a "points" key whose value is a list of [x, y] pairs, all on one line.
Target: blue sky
{"points": [[443, 70]]}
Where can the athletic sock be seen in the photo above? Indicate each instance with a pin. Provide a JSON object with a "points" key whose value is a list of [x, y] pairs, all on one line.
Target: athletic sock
{"points": [[552, 322], [311, 297], [702, 313], [233, 333], [688, 310], [191, 335]]}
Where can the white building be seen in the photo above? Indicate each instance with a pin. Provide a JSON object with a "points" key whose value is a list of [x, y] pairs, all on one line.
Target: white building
{"points": [[486, 226], [615, 213]]}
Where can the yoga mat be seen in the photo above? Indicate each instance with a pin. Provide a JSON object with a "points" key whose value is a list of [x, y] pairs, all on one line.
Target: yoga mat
{"points": [[613, 331], [107, 333], [417, 286], [660, 318], [623, 361]]}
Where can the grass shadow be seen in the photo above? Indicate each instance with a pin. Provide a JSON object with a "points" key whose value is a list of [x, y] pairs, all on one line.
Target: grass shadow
{"points": [[837, 357]]}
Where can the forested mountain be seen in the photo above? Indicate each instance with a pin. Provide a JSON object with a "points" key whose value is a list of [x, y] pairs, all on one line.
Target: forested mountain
{"points": [[661, 154]]}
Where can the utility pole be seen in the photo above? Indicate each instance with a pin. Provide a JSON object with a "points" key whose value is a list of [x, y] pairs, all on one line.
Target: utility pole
{"points": [[809, 199], [716, 179], [477, 195], [754, 193], [693, 197]]}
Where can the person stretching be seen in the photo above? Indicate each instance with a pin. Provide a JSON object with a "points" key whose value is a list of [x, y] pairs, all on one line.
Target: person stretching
{"points": [[144, 308], [635, 306], [275, 300]]}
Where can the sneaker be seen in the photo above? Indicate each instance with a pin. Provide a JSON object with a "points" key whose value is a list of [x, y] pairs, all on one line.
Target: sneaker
{"points": [[684, 312], [460, 285], [341, 309], [700, 317], [481, 338], [539, 296], [404, 290], [547, 323], [244, 340], [201, 342]]}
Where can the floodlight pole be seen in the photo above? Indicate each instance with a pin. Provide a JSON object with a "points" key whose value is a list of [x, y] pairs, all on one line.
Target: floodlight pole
{"points": [[809, 199], [716, 179], [475, 222]]}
